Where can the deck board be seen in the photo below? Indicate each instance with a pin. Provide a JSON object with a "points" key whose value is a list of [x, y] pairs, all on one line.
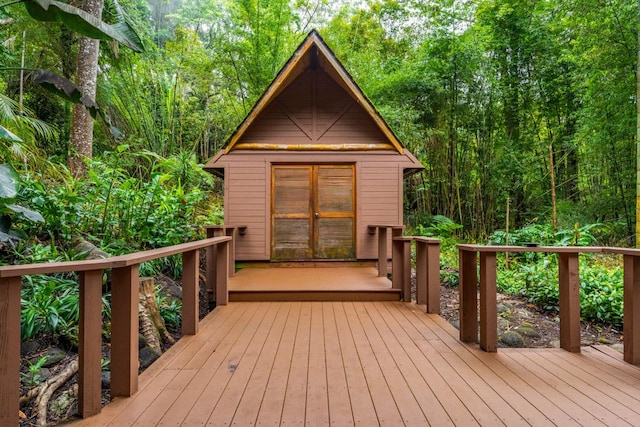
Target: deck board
{"points": [[368, 363]]}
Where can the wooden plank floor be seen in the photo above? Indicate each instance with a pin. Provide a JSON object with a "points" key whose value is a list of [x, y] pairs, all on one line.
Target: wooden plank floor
{"points": [[368, 363]]}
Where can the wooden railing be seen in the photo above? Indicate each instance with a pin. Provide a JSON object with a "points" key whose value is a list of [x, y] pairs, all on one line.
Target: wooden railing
{"points": [[124, 317], [569, 295], [427, 265]]}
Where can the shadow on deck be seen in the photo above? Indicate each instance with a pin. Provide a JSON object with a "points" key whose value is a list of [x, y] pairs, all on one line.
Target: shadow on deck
{"points": [[368, 363]]}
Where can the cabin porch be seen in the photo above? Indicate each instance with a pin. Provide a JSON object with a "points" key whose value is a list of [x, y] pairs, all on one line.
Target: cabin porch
{"points": [[368, 363]]}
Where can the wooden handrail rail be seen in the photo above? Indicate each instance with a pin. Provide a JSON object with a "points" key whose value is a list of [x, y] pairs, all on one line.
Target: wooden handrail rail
{"points": [[569, 294], [545, 249], [124, 317], [117, 261]]}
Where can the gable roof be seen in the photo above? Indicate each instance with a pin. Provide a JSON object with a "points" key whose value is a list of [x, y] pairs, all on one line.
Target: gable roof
{"points": [[313, 50]]}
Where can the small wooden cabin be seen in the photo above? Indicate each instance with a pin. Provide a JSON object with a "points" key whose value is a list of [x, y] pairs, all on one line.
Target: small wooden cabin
{"points": [[312, 165]]}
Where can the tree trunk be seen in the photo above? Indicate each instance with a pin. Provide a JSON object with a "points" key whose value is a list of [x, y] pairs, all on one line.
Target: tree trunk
{"points": [[81, 144], [554, 203]]}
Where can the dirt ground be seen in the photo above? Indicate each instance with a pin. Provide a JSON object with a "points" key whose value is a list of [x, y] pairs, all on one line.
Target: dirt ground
{"points": [[540, 329]]}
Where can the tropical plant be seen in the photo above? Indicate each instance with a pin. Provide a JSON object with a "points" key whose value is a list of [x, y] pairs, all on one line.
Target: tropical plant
{"points": [[9, 210], [49, 305], [32, 376]]}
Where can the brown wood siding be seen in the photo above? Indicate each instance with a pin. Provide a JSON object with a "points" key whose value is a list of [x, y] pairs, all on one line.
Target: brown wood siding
{"points": [[245, 204], [247, 194], [380, 201]]}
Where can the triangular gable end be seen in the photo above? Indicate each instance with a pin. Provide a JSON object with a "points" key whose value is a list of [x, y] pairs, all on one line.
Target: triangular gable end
{"points": [[313, 51]]}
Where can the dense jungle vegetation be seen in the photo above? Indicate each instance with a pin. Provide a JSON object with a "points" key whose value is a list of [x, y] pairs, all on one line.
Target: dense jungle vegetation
{"points": [[528, 105], [523, 113]]}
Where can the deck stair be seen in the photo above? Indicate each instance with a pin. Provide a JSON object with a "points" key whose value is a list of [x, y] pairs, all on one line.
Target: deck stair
{"points": [[314, 281]]}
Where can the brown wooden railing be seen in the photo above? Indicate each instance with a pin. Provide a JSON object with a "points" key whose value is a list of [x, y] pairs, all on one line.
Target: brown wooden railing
{"points": [[427, 270], [427, 264], [124, 317], [569, 295]]}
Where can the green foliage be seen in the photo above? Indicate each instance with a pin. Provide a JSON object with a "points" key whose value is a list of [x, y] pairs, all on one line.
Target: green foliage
{"points": [[601, 293], [121, 212], [9, 210], [170, 310], [439, 226], [543, 234], [84, 23], [601, 286], [49, 305], [32, 377]]}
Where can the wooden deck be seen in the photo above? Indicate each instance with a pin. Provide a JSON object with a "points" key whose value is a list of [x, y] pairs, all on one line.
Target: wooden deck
{"points": [[337, 283], [368, 363]]}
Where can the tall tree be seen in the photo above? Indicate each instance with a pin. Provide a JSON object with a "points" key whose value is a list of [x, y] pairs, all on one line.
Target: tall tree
{"points": [[87, 74]]}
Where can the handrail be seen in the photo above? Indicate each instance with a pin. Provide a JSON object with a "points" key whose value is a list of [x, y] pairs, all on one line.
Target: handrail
{"points": [[117, 261], [124, 317], [427, 270], [234, 231], [383, 259], [569, 294]]}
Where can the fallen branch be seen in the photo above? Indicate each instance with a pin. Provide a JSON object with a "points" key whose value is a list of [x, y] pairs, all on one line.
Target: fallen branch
{"points": [[49, 387]]}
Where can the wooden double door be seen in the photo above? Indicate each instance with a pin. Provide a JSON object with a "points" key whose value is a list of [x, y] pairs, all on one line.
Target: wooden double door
{"points": [[312, 212]]}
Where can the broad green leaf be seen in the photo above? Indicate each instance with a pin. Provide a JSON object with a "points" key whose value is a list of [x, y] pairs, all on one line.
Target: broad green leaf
{"points": [[66, 89], [84, 23], [6, 134], [5, 224], [28, 213], [8, 182]]}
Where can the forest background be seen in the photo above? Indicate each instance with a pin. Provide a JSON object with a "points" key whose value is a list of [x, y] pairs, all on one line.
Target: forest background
{"points": [[512, 105]]}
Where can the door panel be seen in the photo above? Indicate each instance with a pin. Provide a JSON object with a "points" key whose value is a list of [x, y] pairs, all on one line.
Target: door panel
{"points": [[334, 213], [313, 212], [291, 213]]}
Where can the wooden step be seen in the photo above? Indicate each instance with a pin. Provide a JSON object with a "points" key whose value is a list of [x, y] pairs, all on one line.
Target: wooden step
{"points": [[315, 295]]}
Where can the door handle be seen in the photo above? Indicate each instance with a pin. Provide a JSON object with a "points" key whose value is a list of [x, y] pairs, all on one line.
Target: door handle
{"points": [[316, 214]]}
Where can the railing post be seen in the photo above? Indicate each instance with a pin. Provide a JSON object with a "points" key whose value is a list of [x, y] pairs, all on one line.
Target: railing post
{"points": [[401, 266], [488, 305], [190, 288], [9, 350], [468, 288], [210, 270], [569, 301], [124, 331], [428, 274], [433, 277], [631, 323], [90, 343], [229, 231], [221, 274], [422, 270], [382, 252]]}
